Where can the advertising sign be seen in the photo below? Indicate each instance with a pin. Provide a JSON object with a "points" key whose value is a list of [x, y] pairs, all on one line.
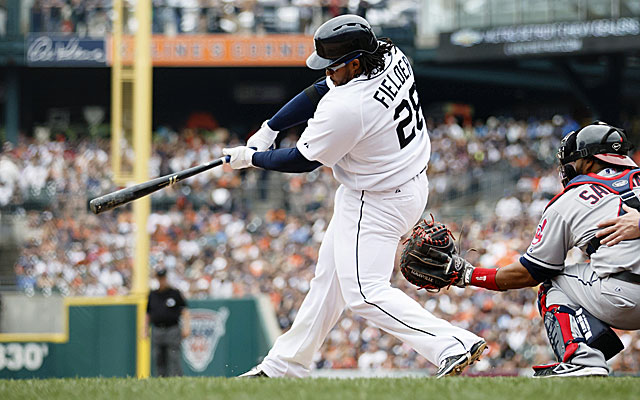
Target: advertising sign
{"points": [[49, 50], [45, 50], [223, 50], [207, 327], [558, 38]]}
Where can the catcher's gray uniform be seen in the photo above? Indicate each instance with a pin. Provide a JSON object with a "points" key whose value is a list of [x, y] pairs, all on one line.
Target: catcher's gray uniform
{"points": [[571, 221]]}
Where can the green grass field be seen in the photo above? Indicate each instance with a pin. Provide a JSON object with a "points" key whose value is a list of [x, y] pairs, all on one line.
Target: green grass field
{"points": [[321, 388]]}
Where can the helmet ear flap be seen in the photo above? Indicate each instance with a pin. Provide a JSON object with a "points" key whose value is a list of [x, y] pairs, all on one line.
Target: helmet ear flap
{"points": [[567, 154], [567, 148], [567, 173]]}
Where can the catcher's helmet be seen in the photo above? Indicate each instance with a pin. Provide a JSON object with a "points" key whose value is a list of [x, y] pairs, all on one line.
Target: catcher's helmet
{"points": [[341, 38], [600, 140]]}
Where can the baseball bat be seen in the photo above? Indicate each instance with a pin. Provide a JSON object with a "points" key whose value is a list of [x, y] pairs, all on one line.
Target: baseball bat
{"points": [[123, 196]]}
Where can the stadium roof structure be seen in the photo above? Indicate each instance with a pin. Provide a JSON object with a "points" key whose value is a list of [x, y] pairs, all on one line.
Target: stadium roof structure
{"points": [[589, 50]]}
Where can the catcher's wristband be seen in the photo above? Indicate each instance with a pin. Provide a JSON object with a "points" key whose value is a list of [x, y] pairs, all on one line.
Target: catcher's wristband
{"points": [[484, 278]]}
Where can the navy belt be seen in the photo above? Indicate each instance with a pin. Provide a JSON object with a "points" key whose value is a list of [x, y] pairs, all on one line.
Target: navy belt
{"points": [[627, 277]]}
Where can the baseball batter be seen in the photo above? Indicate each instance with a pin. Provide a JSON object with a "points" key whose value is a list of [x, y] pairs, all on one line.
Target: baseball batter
{"points": [[369, 128], [579, 303]]}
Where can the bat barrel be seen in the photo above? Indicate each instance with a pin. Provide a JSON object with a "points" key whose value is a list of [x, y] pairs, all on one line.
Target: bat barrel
{"points": [[113, 200], [123, 196], [95, 206]]}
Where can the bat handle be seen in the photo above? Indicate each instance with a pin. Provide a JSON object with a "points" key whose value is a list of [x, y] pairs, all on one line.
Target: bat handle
{"points": [[227, 159]]}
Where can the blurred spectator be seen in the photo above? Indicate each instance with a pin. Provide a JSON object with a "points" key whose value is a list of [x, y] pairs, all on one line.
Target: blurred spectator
{"points": [[172, 17]]}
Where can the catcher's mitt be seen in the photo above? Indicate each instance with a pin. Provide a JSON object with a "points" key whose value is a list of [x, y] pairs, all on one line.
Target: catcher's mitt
{"points": [[428, 258]]}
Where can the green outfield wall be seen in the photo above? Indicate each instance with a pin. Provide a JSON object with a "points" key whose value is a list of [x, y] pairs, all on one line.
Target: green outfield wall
{"points": [[229, 336]]}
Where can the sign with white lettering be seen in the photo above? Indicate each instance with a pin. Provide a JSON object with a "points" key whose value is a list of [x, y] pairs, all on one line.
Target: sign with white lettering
{"points": [[16, 356], [558, 38], [45, 50]]}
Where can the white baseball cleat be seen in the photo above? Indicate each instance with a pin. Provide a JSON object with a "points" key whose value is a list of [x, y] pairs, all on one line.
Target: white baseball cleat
{"points": [[254, 372]]}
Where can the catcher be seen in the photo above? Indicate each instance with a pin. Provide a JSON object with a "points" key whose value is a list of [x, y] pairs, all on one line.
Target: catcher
{"points": [[578, 303]]}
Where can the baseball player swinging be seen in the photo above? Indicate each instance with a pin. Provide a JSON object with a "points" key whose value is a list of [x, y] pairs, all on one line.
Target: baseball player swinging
{"points": [[580, 303], [365, 122]]}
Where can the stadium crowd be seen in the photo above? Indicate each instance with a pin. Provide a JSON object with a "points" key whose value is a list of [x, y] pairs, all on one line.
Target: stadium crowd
{"points": [[93, 17], [214, 245]]}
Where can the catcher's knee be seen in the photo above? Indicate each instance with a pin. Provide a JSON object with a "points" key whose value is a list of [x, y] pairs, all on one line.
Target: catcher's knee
{"points": [[567, 328], [598, 334], [559, 321]]}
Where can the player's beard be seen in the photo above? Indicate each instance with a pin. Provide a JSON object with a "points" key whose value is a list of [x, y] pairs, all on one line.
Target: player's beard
{"points": [[345, 78]]}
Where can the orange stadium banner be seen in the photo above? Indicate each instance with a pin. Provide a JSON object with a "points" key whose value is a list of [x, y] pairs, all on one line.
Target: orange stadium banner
{"points": [[222, 50]]}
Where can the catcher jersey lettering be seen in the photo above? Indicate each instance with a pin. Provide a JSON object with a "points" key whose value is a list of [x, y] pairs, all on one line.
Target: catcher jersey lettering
{"points": [[571, 221], [370, 145], [588, 197]]}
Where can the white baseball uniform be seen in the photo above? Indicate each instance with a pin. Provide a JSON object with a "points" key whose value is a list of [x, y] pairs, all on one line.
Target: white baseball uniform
{"points": [[373, 135]]}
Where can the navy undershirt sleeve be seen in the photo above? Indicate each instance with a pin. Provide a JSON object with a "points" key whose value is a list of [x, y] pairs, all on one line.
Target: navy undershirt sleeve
{"points": [[538, 272], [300, 108], [284, 160]]}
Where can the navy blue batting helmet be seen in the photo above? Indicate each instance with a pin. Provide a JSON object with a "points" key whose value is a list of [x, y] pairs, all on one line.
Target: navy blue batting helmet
{"points": [[341, 38]]}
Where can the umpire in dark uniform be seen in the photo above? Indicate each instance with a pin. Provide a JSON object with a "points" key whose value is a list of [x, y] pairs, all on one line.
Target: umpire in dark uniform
{"points": [[164, 309]]}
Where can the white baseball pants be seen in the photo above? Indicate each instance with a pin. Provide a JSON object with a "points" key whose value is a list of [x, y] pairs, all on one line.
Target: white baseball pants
{"points": [[354, 269]]}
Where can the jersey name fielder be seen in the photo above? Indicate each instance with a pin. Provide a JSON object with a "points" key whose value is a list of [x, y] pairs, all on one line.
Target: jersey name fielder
{"points": [[387, 142]]}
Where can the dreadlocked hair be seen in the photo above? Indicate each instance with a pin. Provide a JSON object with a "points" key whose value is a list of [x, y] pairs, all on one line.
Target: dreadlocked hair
{"points": [[374, 63]]}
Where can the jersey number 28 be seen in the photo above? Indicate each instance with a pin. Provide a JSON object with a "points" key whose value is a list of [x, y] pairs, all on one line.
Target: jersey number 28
{"points": [[413, 108]]}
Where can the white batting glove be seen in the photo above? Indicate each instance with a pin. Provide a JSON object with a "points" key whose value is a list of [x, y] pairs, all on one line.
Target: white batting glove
{"points": [[263, 138], [240, 156]]}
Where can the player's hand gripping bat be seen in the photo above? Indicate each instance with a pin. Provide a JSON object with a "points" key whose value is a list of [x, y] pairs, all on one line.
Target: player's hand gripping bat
{"points": [[126, 195]]}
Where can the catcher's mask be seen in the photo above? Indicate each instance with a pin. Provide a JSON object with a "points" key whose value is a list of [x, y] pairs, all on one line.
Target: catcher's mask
{"points": [[600, 140]]}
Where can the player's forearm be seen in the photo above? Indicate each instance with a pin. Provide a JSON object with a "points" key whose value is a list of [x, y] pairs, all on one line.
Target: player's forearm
{"points": [[283, 160], [514, 276]]}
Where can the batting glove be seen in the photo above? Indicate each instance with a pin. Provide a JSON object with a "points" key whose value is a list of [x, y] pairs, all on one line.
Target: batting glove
{"points": [[464, 269], [263, 138], [240, 156]]}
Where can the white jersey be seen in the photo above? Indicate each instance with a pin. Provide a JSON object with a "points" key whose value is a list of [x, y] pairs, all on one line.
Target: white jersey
{"points": [[571, 221], [370, 131]]}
